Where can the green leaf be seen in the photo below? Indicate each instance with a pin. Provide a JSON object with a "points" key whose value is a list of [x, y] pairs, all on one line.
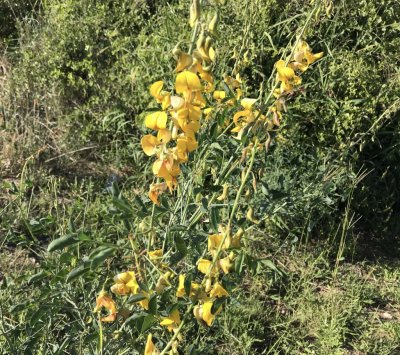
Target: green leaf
{"points": [[188, 284], [136, 298], [37, 277], [181, 249], [78, 271], [180, 244], [153, 304], [218, 303], [269, 264], [122, 205], [148, 321], [62, 242], [38, 314], [99, 257], [239, 262], [214, 219]]}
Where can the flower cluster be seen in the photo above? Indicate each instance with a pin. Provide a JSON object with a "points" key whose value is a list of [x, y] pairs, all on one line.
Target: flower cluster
{"points": [[287, 79], [179, 121], [221, 243]]}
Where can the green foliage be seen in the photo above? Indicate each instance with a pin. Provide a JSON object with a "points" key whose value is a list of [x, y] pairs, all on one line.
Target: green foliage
{"points": [[79, 78]]}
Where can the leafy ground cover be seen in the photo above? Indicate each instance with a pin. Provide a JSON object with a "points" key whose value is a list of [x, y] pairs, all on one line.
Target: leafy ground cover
{"points": [[320, 272]]}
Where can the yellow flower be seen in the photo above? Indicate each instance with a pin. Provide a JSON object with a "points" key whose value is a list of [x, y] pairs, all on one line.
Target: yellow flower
{"points": [[218, 291], [156, 120], [125, 283], [235, 242], [156, 190], [215, 240], [105, 301], [150, 348], [172, 321], [187, 82], [180, 292], [163, 282], [184, 145], [284, 73], [161, 97], [196, 290], [167, 169], [207, 316], [184, 60], [242, 118], [204, 267], [155, 254], [219, 95], [149, 144], [225, 264], [303, 57]]}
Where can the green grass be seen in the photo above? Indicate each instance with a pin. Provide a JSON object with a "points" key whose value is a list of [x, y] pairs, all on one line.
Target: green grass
{"points": [[323, 269]]}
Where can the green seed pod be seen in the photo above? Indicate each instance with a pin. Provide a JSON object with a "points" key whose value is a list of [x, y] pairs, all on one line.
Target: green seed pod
{"points": [[200, 40], [194, 12], [212, 26], [208, 43]]}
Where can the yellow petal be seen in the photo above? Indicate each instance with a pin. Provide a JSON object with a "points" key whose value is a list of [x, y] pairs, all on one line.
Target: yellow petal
{"points": [[180, 292], [319, 55], [225, 264], [155, 89], [166, 101], [177, 102], [285, 73], [120, 289], [164, 136], [156, 190], [248, 103], [204, 267], [160, 170], [150, 348], [149, 144], [156, 120], [218, 291], [208, 317], [219, 95], [184, 61], [133, 285], [105, 301], [125, 277], [155, 254], [211, 54], [194, 112], [187, 82], [214, 241]]}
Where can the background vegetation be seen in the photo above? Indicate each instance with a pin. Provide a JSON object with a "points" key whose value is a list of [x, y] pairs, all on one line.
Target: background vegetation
{"points": [[74, 79]]}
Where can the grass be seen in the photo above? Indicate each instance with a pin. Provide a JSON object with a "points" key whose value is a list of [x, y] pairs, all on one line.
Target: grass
{"points": [[323, 265], [306, 305]]}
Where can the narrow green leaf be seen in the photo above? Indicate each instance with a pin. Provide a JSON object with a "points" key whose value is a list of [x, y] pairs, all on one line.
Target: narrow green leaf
{"points": [[62, 242], [214, 219], [78, 271], [99, 257], [136, 298]]}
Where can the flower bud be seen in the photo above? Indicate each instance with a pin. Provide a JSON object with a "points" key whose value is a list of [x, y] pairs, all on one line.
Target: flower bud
{"points": [[208, 285]]}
